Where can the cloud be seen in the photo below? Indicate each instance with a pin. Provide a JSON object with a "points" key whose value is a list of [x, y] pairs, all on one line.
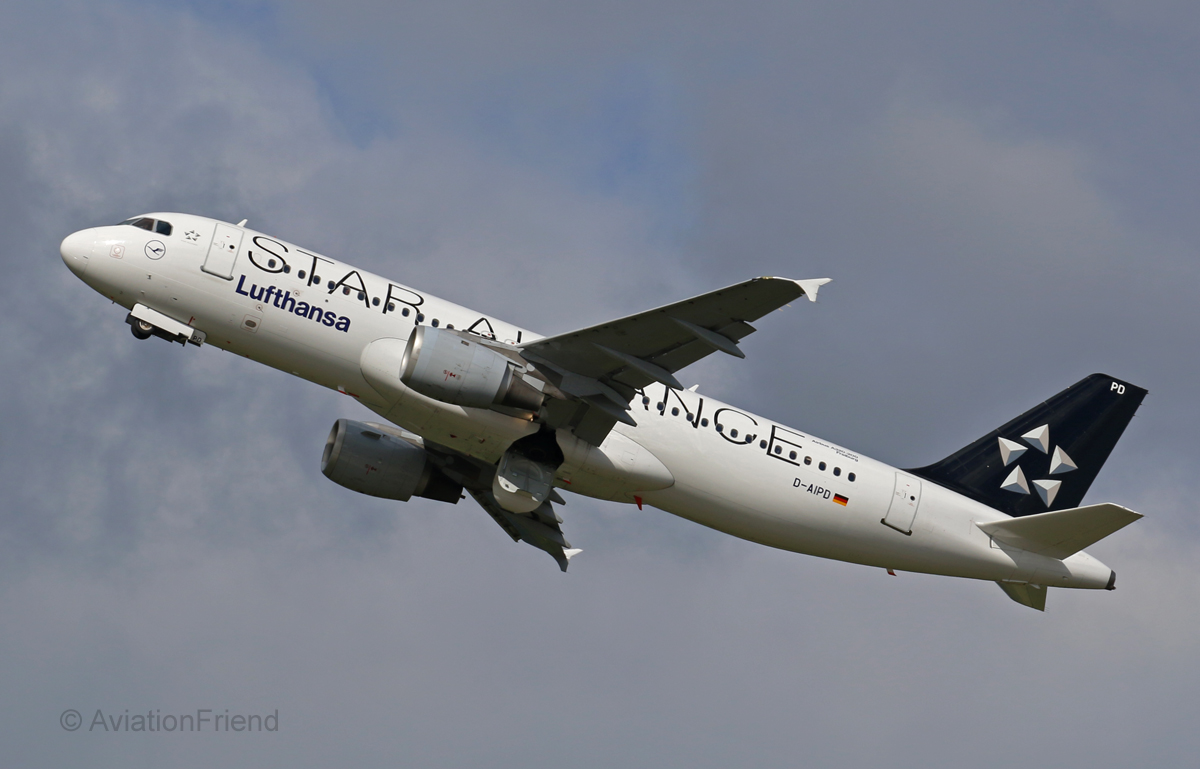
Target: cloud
{"points": [[167, 541]]}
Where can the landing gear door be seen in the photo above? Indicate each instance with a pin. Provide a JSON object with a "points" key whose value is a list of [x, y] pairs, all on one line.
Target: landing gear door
{"points": [[223, 251], [905, 499]]}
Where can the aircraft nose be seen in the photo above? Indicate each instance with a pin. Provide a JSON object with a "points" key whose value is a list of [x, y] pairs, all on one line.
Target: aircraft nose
{"points": [[75, 250]]}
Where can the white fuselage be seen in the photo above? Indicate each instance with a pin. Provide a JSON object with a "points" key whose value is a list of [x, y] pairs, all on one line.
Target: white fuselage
{"points": [[694, 456]]}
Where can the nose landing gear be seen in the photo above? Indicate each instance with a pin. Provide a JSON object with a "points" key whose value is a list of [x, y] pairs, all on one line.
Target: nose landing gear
{"points": [[141, 329], [145, 322]]}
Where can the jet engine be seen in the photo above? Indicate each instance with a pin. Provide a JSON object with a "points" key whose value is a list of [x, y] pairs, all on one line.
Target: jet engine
{"points": [[446, 367], [367, 459]]}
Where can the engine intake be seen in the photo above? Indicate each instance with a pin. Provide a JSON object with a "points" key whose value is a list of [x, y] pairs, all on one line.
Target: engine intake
{"points": [[446, 367], [364, 458]]}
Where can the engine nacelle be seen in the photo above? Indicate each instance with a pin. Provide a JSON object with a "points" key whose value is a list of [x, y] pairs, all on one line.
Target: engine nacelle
{"points": [[446, 367], [368, 460]]}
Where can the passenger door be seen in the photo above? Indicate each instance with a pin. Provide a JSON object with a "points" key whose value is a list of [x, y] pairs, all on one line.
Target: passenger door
{"points": [[223, 251], [906, 497]]}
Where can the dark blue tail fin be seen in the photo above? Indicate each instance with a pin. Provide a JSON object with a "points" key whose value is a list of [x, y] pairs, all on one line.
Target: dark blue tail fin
{"points": [[1047, 458]]}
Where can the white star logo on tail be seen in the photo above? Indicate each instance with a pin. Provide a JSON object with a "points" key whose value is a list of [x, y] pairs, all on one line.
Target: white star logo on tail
{"points": [[1060, 462], [1016, 482]]}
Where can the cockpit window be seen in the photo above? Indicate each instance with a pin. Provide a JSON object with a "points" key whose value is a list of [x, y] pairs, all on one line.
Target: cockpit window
{"points": [[152, 225]]}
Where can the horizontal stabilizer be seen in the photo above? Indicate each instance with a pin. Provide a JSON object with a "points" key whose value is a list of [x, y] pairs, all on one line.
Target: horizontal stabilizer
{"points": [[1061, 533], [1033, 596]]}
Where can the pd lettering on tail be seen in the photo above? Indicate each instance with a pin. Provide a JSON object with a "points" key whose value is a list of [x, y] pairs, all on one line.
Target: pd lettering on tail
{"points": [[1117, 388]]}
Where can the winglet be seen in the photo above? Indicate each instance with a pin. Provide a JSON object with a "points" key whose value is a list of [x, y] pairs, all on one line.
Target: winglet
{"points": [[809, 287], [567, 555]]}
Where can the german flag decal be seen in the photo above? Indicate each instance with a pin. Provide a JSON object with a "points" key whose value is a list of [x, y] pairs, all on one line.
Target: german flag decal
{"points": [[839, 499]]}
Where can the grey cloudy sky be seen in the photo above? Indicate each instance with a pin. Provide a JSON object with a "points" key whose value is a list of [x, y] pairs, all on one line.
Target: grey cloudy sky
{"points": [[1004, 195]]}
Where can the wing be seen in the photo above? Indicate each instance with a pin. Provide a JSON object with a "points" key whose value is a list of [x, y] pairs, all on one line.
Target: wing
{"points": [[600, 368], [540, 528]]}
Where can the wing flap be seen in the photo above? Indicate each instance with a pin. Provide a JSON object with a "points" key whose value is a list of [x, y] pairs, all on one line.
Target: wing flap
{"points": [[1061, 533]]}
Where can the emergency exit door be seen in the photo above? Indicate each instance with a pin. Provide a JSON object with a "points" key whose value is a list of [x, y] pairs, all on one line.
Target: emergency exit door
{"points": [[223, 251], [905, 499]]}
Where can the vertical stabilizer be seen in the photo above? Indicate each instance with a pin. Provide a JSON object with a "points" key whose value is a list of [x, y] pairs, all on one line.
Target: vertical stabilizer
{"points": [[1047, 458]]}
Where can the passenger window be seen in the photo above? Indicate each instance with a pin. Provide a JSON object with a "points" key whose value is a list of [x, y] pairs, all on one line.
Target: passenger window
{"points": [[733, 433], [850, 477], [403, 312], [435, 322], [762, 444], [375, 301], [163, 228], [420, 317], [821, 466], [675, 412], [791, 455], [808, 460], [330, 285], [300, 275], [837, 471], [346, 290], [704, 422]]}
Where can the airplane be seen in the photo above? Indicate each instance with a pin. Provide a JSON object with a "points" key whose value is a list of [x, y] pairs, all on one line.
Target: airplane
{"points": [[474, 405]]}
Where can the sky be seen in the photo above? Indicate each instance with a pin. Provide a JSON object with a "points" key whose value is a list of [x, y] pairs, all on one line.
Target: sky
{"points": [[1003, 195]]}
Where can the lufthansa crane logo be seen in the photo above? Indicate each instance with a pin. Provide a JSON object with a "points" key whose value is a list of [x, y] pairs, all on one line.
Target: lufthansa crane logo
{"points": [[155, 249], [1038, 439]]}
